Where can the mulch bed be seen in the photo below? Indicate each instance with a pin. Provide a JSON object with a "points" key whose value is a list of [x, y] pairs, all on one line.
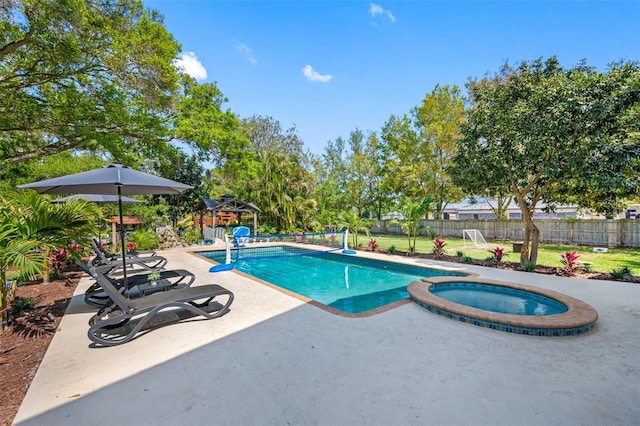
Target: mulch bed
{"points": [[27, 336]]}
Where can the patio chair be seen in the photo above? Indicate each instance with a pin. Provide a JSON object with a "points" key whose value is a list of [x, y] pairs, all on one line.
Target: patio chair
{"points": [[143, 263], [121, 321], [137, 285]]}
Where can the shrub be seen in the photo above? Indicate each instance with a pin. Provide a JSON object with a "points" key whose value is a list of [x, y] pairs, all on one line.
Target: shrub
{"points": [[438, 247], [21, 304], [373, 244], [191, 236], [392, 249], [459, 253], [467, 259], [58, 261], [497, 255], [144, 239], [620, 273], [529, 267], [568, 259]]}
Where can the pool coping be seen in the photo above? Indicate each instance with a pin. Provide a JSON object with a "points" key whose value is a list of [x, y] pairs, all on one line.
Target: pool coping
{"points": [[580, 318]]}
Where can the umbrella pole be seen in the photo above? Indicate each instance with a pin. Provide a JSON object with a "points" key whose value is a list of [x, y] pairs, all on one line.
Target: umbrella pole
{"points": [[124, 252]]}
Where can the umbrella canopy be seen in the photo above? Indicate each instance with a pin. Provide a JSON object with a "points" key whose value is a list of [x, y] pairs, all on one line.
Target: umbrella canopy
{"points": [[114, 179], [97, 198]]}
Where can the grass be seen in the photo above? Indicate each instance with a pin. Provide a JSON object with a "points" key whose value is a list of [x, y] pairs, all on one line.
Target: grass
{"points": [[548, 254]]}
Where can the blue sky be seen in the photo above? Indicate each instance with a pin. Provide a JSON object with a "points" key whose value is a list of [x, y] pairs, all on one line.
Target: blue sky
{"points": [[329, 67]]}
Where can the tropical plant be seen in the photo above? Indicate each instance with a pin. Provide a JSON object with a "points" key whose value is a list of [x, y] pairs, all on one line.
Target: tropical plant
{"points": [[373, 244], [620, 273], [412, 215], [353, 223], [497, 255], [529, 267], [467, 259], [144, 239], [438, 247], [568, 259], [21, 304]]}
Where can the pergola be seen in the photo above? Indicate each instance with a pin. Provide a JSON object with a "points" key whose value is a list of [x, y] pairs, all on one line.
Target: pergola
{"points": [[228, 204]]}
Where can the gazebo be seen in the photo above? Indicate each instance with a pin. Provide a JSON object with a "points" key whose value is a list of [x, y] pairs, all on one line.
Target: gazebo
{"points": [[227, 204], [128, 220]]}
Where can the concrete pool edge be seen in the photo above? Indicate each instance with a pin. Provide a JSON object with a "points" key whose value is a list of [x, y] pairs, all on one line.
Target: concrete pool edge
{"points": [[579, 319]]}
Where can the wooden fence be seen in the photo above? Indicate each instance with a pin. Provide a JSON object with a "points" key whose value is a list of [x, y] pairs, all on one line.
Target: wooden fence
{"points": [[595, 233]]}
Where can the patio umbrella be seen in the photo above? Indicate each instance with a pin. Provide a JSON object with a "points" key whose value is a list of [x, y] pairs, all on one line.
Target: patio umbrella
{"points": [[114, 179], [97, 198]]}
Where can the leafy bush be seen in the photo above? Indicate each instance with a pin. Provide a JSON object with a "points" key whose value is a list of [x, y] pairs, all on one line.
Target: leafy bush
{"points": [[191, 236], [438, 247], [529, 267], [467, 259], [373, 244], [21, 304], [392, 249], [58, 261], [568, 259], [497, 254], [460, 253], [620, 273], [144, 239]]}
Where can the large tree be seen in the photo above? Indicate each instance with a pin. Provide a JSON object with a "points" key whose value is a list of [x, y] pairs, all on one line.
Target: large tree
{"points": [[98, 75], [547, 134], [420, 146]]}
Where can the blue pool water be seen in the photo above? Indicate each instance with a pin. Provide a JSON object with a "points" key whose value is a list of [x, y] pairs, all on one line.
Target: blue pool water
{"points": [[498, 299], [347, 283]]}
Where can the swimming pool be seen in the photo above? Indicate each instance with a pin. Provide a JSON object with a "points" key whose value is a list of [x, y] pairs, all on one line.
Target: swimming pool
{"points": [[348, 284]]}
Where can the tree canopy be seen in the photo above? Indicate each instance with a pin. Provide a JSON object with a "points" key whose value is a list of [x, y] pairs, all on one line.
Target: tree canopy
{"points": [[99, 75], [544, 133]]}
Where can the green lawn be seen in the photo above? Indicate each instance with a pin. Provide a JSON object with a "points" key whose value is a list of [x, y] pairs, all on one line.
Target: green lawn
{"points": [[548, 255]]}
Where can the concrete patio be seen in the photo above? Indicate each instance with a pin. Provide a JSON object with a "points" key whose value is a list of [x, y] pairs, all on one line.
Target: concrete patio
{"points": [[275, 360]]}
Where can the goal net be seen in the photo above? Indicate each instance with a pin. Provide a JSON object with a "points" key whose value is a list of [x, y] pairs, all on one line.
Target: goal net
{"points": [[474, 237]]}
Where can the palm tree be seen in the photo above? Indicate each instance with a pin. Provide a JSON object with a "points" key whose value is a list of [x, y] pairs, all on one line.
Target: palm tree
{"points": [[353, 223], [413, 213], [31, 227]]}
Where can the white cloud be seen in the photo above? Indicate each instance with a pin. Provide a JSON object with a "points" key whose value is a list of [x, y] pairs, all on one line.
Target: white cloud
{"points": [[376, 9], [312, 75], [190, 65], [247, 52]]}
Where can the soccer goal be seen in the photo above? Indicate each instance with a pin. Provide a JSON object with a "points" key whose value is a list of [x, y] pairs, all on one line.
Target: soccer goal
{"points": [[474, 236]]}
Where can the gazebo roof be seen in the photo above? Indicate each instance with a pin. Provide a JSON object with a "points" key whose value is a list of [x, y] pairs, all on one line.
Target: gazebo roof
{"points": [[227, 203], [128, 220]]}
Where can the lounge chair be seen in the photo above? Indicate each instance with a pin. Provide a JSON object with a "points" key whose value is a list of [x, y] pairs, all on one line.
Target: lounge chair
{"points": [[124, 319], [140, 264], [137, 285]]}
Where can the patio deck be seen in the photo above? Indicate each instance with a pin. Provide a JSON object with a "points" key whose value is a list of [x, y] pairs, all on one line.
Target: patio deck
{"points": [[277, 360]]}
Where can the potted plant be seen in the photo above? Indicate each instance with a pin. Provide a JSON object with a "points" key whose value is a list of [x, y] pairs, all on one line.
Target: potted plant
{"points": [[153, 278]]}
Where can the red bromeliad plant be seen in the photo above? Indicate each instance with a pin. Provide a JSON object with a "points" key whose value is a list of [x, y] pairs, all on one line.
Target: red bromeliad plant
{"points": [[58, 260], [498, 253], [131, 246], [569, 261], [438, 247], [373, 244]]}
